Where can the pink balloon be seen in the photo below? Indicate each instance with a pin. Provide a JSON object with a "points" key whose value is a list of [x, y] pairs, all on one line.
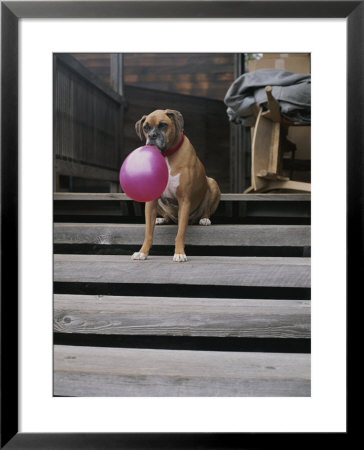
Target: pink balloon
{"points": [[144, 174]]}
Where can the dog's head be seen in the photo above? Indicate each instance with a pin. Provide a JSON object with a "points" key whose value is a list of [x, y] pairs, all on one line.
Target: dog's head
{"points": [[161, 128]]}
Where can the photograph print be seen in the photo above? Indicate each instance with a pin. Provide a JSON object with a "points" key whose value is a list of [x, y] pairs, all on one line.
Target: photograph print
{"points": [[182, 211]]}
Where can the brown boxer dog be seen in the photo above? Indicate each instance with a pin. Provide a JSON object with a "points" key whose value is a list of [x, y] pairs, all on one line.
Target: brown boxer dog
{"points": [[190, 195]]}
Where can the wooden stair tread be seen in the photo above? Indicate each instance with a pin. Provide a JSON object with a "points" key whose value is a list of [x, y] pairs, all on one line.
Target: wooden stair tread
{"points": [[125, 315], [223, 235], [95, 371], [200, 270], [75, 196]]}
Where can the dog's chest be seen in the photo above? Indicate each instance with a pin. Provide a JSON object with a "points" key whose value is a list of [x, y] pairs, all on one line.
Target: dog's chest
{"points": [[172, 185]]}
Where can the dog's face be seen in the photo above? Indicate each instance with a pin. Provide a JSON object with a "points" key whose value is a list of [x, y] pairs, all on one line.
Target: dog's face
{"points": [[161, 128]]}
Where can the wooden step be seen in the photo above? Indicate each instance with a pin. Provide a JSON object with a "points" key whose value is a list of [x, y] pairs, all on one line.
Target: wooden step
{"points": [[199, 270], [173, 316], [95, 371], [223, 235], [75, 196]]}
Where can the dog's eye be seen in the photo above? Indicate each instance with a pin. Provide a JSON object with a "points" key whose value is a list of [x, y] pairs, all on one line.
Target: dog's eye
{"points": [[162, 125], [147, 127]]}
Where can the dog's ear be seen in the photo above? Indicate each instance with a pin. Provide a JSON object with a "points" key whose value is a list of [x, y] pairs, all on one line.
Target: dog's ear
{"points": [[139, 127], [177, 117]]}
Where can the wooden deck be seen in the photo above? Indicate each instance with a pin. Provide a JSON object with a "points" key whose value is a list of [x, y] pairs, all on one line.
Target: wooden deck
{"points": [[188, 340]]}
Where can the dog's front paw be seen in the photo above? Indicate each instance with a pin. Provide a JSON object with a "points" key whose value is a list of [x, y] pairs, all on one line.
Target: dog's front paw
{"points": [[138, 256], [205, 222], [179, 257]]}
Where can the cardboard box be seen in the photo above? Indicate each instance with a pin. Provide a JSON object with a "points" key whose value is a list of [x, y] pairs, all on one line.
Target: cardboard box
{"points": [[292, 62]]}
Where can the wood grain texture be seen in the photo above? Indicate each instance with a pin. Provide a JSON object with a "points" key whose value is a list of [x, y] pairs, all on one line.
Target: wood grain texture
{"points": [[224, 197], [200, 270], [74, 169], [90, 371], [226, 235], [87, 116], [181, 316]]}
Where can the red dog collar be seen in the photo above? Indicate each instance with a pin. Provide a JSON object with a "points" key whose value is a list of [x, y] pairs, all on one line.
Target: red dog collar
{"points": [[176, 147]]}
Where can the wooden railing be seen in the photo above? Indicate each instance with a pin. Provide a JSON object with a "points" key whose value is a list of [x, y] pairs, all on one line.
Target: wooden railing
{"points": [[87, 123]]}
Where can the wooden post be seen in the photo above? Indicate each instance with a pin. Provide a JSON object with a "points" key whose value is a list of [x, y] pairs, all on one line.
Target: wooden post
{"points": [[117, 83], [117, 73], [239, 141]]}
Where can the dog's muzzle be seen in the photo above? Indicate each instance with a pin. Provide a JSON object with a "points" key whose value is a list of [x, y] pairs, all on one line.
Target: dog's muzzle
{"points": [[156, 139]]}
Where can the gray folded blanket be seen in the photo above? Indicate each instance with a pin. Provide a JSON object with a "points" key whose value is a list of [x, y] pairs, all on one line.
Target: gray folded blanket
{"points": [[291, 90]]}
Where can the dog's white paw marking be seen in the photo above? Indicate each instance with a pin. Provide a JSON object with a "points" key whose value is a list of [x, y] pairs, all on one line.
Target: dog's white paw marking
{"points": [[205, 222], [138, 256], [179, 257], [161, 221]]}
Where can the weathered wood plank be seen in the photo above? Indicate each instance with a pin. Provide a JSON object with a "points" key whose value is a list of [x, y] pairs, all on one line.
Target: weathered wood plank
{"points": [[224, 197], [90, 371], [75, 169], [226, 235], [181, 316], [200, 270], [189, 317]]}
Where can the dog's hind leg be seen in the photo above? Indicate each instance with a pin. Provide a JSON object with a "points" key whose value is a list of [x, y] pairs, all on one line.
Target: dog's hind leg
{"points": [[210, 202]]}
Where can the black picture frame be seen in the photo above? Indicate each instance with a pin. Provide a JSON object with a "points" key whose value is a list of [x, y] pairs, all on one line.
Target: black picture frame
{"points": [[11, 12]]}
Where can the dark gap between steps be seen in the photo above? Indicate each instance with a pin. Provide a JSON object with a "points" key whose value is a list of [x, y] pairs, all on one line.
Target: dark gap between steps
{"points": [[191, 250], [223, 344], [182, 290], [258, 220]]}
